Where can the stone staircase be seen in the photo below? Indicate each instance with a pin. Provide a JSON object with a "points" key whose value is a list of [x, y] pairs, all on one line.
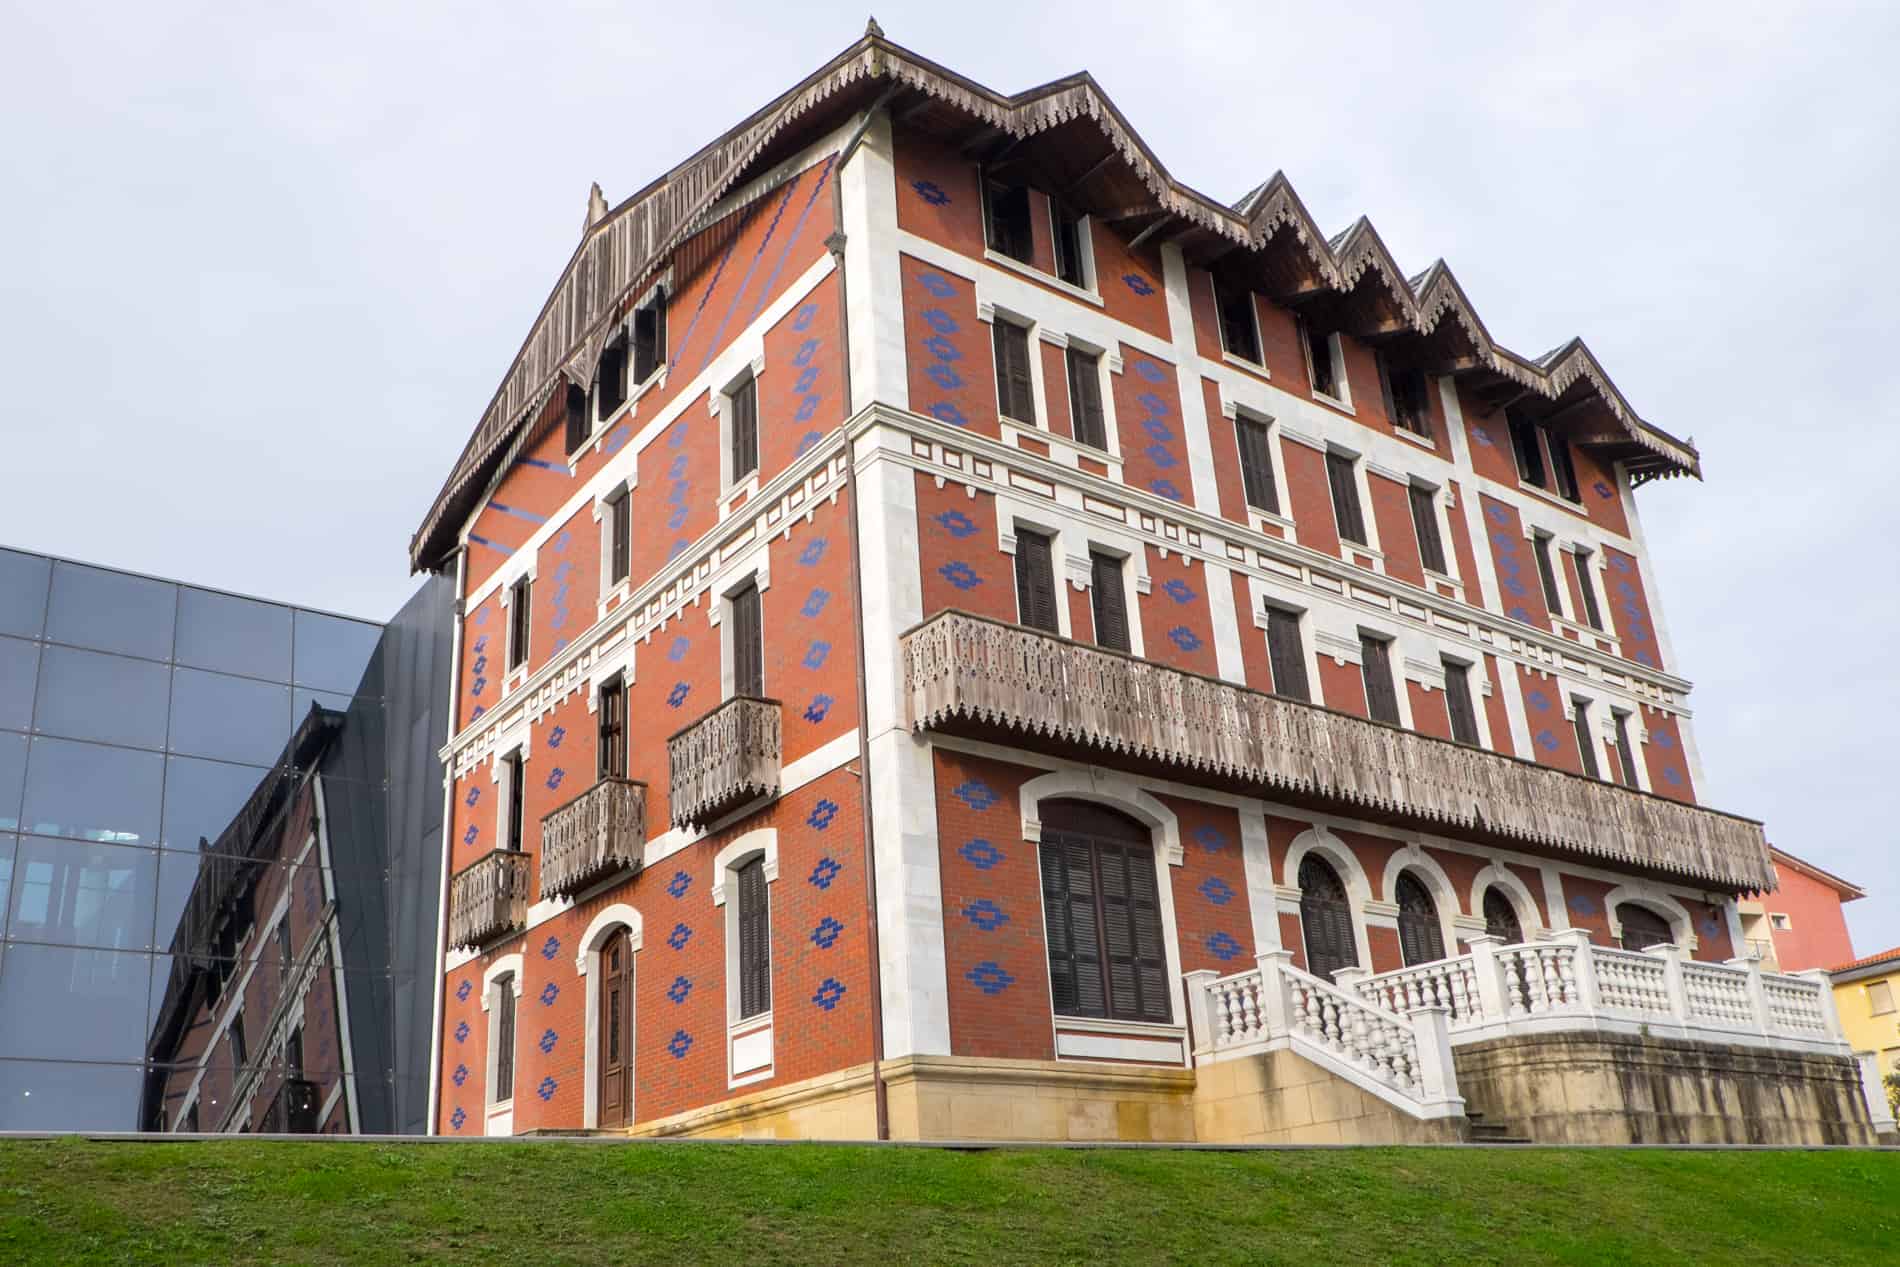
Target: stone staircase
{"points": [[1483, 1132]]}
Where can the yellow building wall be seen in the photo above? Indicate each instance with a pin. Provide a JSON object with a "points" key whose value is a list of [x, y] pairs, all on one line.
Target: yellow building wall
{"points": [[1866, 1031]]}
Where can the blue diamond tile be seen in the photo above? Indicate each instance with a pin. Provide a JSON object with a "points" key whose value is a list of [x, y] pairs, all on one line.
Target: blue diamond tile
{"points": [[1538, 700], [943, 376], [1547, 741], [678, 885], [826, 933], [825, 872], [678, 650], [981, 854], [555, 776], [1165, 488], [830, 990], [469, 836], [942, 348], [1672, 776], [462, 1032], [1137, 283], [1603, 490], [549, 993], [1582, 904], [956, 523], [822, 814], [546, 1089], [460, 1075], [681, 1043], [680, 935], [1210, 838], [1180, 591], [677, 696], [1663, 739], [474, 795], [930, 192], [944, 411], [1223, 947], [814, 550], [1216, 890], [806, 350], [680, 988], [548, 1039], [960, 574], [815, 655], [936, 284], [819, 708], [989, 977], [815, 603], [458, 1119], [986, 915], [557, 736], [463, 990], [803, 318], [939, 320], [1149, 372], [551, 947], [1184, 638], [976, 794]]}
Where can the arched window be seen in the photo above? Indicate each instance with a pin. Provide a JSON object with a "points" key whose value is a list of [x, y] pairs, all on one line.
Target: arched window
{"points": [[1420, 938], [1500, 917], [1325, 919], [1103, 911], [1642, 927]]}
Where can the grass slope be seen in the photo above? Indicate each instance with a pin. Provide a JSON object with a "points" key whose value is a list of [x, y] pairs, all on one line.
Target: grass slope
{"points": [[72, 1201]]}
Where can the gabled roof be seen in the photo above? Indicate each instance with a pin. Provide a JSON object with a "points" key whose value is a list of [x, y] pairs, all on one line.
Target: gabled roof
{"points": [[1269, 233], [1881, 960], [1848, 890]]}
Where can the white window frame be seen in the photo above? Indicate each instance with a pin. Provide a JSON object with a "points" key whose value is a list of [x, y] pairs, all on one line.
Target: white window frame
{"points": [[748, 1040], [513, 674], [1362, 484], [1085, 244], [1542, 541], [1343, 401], [1395, 662], [1263, 595], [504, 973], [515, 741], [662, 285], [760, 576], [719, 404], [1479, 685], [603, 515], [1011, 519], [1106, 362], [1258, 518], [1135, 580], [1227, 354], [1441, 516], [1583, 558], [989, 314], [1634, 727]]}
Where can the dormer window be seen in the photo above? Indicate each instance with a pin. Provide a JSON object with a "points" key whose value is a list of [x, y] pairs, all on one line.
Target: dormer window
{"points": [[577, 428], [1071, 259], [649, 337], [1405, 398], [1239, 333], [610, 382], [1322, 360], [1543, 457], [1009, 224]]}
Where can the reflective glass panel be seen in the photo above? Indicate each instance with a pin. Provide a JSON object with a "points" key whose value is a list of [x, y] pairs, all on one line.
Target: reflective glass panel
{"points": [[85, 1004], [39, 1095], [111, 611], [19, 669], [12, 778], [109, 698], [233, 635], [6, 871], [23, 580], [233, 718], [201, 798], [93, 791], [81, 893], [332, 652]]}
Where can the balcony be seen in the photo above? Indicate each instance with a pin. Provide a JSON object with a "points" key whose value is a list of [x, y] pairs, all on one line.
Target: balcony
{"points": [[599, 832], [969, 675], [728, 757], [488, 898]]}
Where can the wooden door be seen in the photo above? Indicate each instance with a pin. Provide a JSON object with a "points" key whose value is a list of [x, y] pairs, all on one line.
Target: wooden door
{"points": [[616, 1032], [1326, 920]]}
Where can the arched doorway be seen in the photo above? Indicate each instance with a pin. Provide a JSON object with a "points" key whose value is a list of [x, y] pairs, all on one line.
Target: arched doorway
{"points": [[1325, 919], [1102, 909], [615, 1063], [1500, 917], [1421, 940], [1642, 927]]}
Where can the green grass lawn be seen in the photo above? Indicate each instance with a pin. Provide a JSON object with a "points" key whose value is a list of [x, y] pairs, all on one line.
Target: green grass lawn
{"points": [[72, 1201]]}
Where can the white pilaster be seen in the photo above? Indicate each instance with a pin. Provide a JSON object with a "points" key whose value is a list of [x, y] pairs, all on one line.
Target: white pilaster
{"points": [[1187, 363], [1220, 606], [874, 293]]}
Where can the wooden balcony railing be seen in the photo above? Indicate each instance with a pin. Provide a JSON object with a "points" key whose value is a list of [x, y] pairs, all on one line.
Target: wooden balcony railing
{"points": [[488, 898], [968, 674], [599, 832], [728, 757]]}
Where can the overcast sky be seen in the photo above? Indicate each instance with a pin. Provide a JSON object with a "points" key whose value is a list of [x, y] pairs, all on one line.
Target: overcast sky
{"points": [[263, 270]]}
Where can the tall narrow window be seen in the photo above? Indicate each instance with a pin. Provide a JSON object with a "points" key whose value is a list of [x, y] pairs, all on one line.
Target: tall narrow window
{"points": [[517, 799], [1431, 548], [1546, 573], [1085, 398], [610, 380], [1287, 655], [1347, 516], [612, 745], [284, 952], [1069, 230], [1239, 334], [1319, 356], [1625, 754], [577, 429], [1464, 716], [1405, 398], [1256, 463], [1325, 919], [620, 536], [1108, 600], [1588, 589], [1421, 938], [1586, 741], [1015, 394], [239, 1051], [755, 942], [505, 1038], [520, 620], [744, 403], [649, 337], [1009, 225], [1560, 465], [1375, 665], [1035, 581], [1528, 451], [1101, 905], [748, 645]]}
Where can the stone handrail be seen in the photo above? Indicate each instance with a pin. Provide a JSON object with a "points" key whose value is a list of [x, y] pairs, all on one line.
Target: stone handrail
{"points": [[964, 669], [1405, 1060], [601, 831], [488, 898], [1566, 982], [732, 755]]}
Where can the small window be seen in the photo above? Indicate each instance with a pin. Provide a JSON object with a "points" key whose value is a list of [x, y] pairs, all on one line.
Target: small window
{"points": [[1560, 465], [1069, 256], [1347, 516], [517, 799], [1782, 923], [1109, 601], [612, 745], [1546, 573], [1035, 581], [1009, 225], [1287, 655], [1375, 666], [1239, 332], [620, 536], [1431, 548], [755, 945], [748, 645], [1586, 741], [519, 621], [1625, 751], [1015, 393], [293, 1053], [743, 422], [239, 1052], [1587, 588], [504, 1039], [1527, 448], [1256, 463], [1880, 997], [577, 428], [610, 380], [1464, 716], [1405, 398], [1085, 398], [1320, 359], [649, 337]]}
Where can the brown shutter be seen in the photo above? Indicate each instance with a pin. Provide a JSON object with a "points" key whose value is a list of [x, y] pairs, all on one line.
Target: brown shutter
{"points": [[1287, 655], [1256, 463], [1560, 464], [755, 952], [745, 429], [1642, 927], [1109, 601], [1382, 701], [748, 651], [1325, 920], [1625, 755], [1546, 577], [1238, 334], [1035, 582], [1586, 743], [1346, 513], [576, 418], [1431, 549], [1385, 388], [1587, 588], [612, 745], [520, 621], [1421, 940], [1015, 395], [622, 542], [517, 796], [1530, 458], [1069, 908], [505, 1040], [1464, 721], [1085, 398]]}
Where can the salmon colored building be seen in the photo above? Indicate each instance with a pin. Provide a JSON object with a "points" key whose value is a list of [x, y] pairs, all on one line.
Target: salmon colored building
{"points": [[1801, 923], [965, 636]]}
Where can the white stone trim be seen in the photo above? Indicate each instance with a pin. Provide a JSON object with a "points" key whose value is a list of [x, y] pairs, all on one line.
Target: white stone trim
{"points": [[605, 921], [1104, 787], [760, 843], [498, 1115], [1642, 893], [1496, 875], [1320, 840], [1428, 869]]}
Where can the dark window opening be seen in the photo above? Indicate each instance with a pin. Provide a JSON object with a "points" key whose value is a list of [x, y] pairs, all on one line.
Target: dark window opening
{"points": [[517, 798], [1287, 655], [1464, 717], [577, 428], [505, 1038], [1529, 453], [1035, 581], [1239, 334], [612, 745], [1102, 906], [1421, 940], [1085, 398], [1325, 920], [1561, 466], [1319, 355], [1256, 463], [239, 1051], [649, 337], [1431, 547], [1406, 403], [1347, 515], [1375, 666], [1625, 754], [610, 381], [284, 952], [1546, 574], [519, 621], [1643, 928], [1109, 601], [620, 536], [1588, 590], [755, 949], [748, 643], [1586, 741], [1009, 223], [191, 1118], [1015, 393], [745, 428], [1500, 917], [1068, 227]]}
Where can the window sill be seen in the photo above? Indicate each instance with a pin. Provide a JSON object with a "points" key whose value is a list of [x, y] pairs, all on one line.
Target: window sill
{"points": [[1334, 402], [1442, 578], [736, 495], [993, 256], [1257, 519], [1119, 1042], [1081, 448], [1242, 363], [1556, 499], [1423, 442]]}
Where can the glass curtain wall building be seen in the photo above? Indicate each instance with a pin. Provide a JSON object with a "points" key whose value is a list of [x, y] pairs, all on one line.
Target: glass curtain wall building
{"points": [[220, 836]]}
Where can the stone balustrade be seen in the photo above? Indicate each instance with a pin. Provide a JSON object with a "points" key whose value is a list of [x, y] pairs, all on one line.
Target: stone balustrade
{"points": [[488, 898], [598, 833], [969, 674], [732, 755]]}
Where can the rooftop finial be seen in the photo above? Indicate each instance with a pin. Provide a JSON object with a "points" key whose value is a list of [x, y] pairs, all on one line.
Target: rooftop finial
{"points": [[596, 207], [873, 29]]}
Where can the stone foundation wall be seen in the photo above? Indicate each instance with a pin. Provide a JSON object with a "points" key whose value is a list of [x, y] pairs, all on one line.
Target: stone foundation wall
{"points": [[969, 1097], [1282, 1098], [839, 1105], [1624, 1089]]}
